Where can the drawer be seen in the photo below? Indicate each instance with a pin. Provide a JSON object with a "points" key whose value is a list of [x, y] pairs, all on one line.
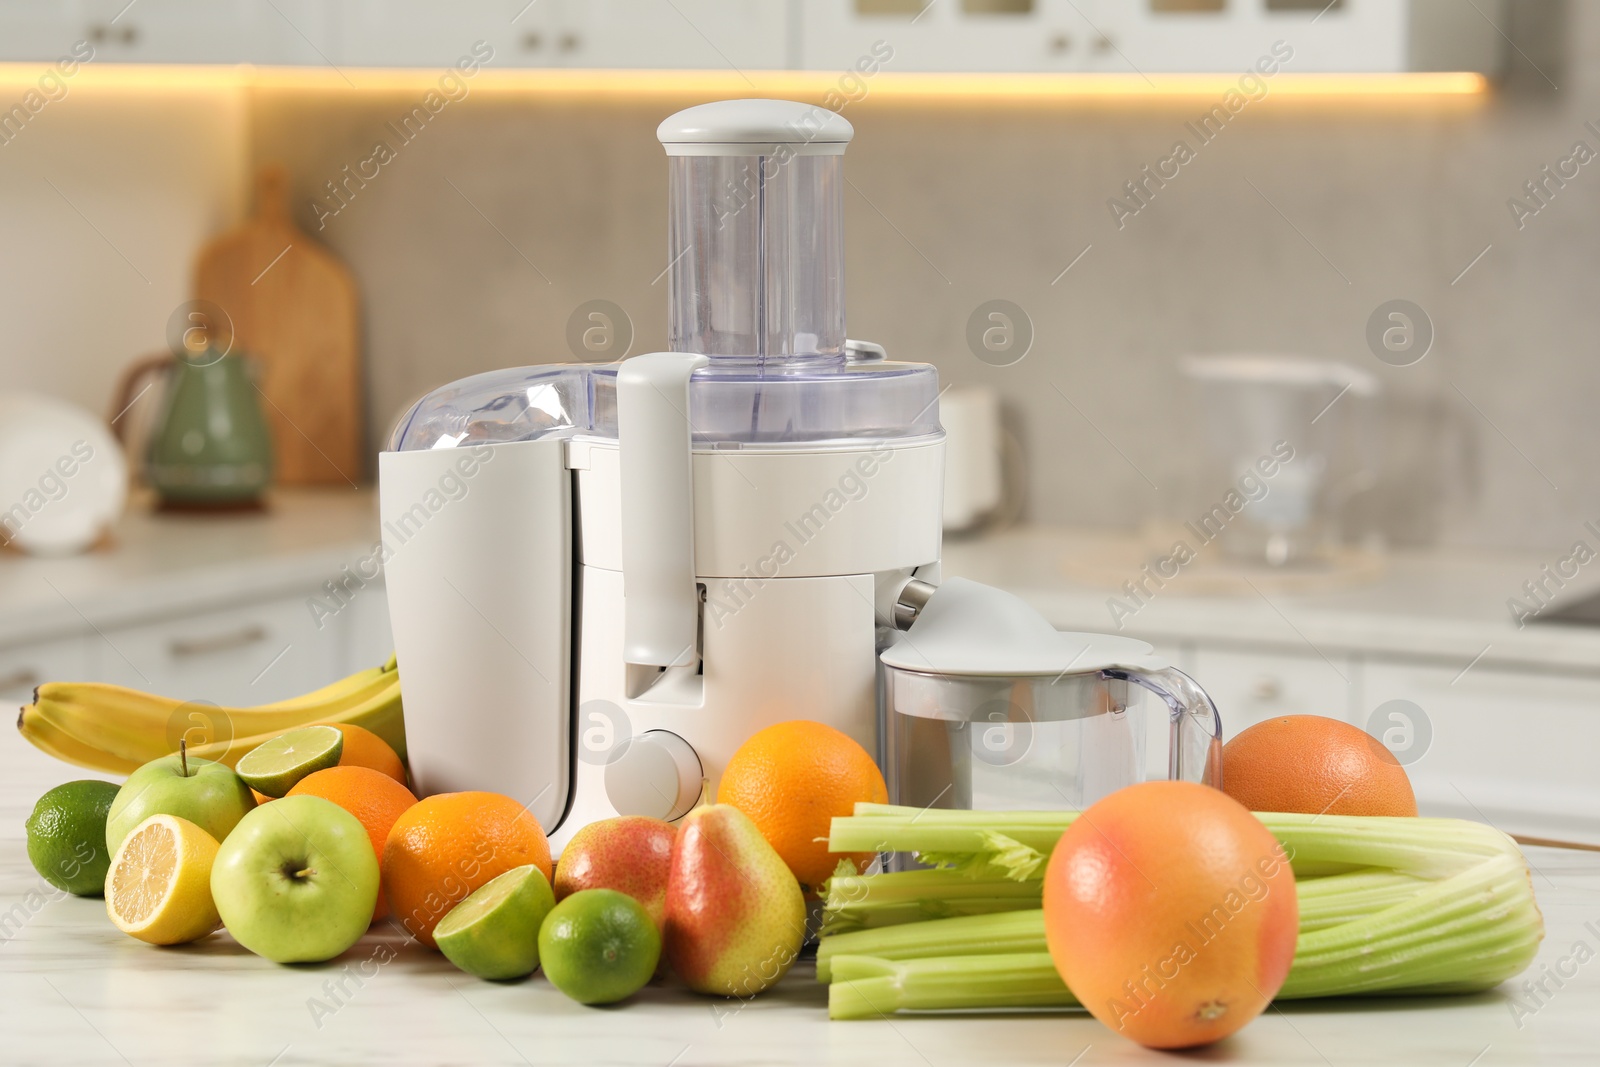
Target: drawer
{"points": [[238, 656], [1250, 685], [368, 641], [24, 666], [1516, 749]]}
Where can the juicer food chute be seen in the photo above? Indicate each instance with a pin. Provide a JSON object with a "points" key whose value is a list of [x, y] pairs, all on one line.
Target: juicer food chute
{"points": [[603, 579]]}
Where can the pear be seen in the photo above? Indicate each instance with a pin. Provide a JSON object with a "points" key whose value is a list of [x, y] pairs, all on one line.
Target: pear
{"points": [[735, 914]]}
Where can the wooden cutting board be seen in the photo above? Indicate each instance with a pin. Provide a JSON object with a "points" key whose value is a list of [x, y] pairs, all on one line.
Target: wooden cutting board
{"points": [[294, 307]]}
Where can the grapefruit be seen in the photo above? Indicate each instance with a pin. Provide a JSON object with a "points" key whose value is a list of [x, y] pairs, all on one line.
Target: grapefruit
{"points": [[1316, 765], [1170, 912]]}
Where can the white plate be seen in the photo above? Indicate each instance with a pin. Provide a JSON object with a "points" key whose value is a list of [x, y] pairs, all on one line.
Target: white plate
{"points": [[63, 477]]}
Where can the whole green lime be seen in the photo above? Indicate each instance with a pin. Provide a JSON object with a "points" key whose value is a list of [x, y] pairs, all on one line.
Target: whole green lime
{"points": [[599, 946], [67, 836]]}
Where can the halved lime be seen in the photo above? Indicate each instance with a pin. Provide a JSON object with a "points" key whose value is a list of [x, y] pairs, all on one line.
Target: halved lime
{"points": [[599, 946], [494, 933], [274, 767]]}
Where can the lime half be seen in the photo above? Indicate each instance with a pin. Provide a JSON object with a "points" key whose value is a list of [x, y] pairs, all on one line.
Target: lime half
{"points": [[274, 767], [599, 946], [67, 836], [494, 933]]}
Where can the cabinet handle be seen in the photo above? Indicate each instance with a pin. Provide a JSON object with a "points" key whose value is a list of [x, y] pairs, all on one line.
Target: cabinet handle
{"points": [[102, 33], [183, 647], [1267, 688], [21, 678]]}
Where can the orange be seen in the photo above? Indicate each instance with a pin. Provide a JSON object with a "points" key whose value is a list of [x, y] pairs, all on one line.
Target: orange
{"points": [[1170, 912], [448, 845], [363, 748], [1316, 765], [375, 799], [791, 779]]}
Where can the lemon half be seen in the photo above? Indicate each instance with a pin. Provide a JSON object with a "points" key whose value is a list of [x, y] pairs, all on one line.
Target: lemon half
{"points": [[159, 889]]}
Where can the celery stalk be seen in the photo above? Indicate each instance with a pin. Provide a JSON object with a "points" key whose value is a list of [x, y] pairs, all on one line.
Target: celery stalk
{"points": [[970, 935], [868, 988], [1342, 898], [1337, 902], [1419, 906], [854, 902], [864, 902], [1426, 848], [886, 828], [1465, 933]]}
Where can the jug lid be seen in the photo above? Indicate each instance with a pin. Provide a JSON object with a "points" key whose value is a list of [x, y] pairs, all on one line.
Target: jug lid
{"points": [[968, 628]]}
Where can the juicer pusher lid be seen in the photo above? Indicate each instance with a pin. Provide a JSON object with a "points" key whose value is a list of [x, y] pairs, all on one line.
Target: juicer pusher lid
{"points": [[755, 127], [967, 628]]}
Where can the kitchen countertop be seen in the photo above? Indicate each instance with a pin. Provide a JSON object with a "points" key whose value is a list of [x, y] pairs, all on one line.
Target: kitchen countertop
{"points": [[173, 563], [1438, 604], [75, 991], [1442, 605]]}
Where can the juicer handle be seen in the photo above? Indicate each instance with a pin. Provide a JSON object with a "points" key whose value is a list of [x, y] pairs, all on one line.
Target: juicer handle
{"points": [[661, 601], [1194, 739]]}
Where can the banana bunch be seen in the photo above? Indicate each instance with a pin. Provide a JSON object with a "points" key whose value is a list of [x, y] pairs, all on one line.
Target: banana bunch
{"points": [[111, 728]]}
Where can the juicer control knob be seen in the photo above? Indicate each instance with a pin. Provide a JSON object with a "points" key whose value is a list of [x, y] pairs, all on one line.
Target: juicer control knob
{"points": [[656, 774]]}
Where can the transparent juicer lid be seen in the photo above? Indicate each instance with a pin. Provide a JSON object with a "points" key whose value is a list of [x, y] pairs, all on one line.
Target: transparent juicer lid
{"points": [[755, 281]]}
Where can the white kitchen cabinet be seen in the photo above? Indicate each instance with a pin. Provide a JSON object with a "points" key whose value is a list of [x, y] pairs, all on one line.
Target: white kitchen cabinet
{"points": [[35, 31], [24, 666], [426, 33], [945, 36], [168, 31], [1516, 748], [1126, 36], [683, 34], [366, 636], [1249, 685], [1151, 36], [600, 34], [252, 654]]}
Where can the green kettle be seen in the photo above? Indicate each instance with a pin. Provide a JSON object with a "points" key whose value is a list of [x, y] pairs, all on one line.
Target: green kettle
{"points": [[208, 445]]}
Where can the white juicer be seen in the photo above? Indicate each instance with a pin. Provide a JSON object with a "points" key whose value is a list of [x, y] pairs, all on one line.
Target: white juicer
{"points": [[604, 578]]}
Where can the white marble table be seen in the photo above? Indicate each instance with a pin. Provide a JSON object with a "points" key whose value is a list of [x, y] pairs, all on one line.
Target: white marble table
{"points": [[73, 990]]}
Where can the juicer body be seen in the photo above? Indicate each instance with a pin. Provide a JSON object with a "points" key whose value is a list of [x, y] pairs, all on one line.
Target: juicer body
{"points": [[512, 627]]}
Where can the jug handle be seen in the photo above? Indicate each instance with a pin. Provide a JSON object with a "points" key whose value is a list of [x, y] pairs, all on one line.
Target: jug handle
{"points": [[1194, 740], [123, 396]]}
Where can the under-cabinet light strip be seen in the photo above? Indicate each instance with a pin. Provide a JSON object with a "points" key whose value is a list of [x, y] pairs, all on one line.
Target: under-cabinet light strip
{"points": [[817, 85]]}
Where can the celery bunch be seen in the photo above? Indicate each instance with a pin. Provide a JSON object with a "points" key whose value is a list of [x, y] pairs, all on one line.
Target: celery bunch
{"points": [[1387, 905]]}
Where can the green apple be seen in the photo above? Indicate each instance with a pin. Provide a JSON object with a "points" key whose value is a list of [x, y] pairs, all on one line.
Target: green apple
{"points": [[297, 880], [206, 793]]}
